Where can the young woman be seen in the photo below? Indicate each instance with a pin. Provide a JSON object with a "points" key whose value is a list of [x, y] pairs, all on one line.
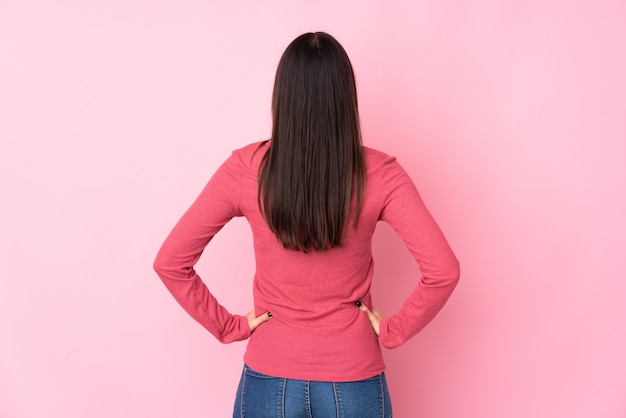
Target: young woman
{"points": [[312, 196]]}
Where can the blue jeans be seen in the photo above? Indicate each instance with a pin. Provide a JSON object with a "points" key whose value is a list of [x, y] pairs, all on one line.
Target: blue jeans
{"points": [[261, 396]]}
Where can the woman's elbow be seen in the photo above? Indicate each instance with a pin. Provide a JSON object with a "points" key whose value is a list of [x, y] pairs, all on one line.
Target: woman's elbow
{"points": [[456, 273], [454, 270], [451, 273], [161, 265]]}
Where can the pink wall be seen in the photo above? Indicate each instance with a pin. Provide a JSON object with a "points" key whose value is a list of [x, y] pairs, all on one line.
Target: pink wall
{"points": [[509, 115]]}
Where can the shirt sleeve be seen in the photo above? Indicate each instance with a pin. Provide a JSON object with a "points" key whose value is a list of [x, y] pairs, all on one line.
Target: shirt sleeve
{"points": [[213, 208], [405, 212]]}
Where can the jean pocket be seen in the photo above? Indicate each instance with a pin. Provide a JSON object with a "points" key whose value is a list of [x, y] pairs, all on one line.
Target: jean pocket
{"points": [[252, 373]]}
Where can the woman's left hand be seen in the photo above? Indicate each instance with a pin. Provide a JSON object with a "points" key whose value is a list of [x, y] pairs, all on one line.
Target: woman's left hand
{"points": [[375, 316], [255, 321]]}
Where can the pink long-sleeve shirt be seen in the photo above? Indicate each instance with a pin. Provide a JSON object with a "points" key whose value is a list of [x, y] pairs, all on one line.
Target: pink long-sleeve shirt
{"points": [[316, 332]]}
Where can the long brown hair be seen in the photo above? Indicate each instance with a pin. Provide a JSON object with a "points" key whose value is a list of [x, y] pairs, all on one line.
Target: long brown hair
{"points": [[315, 164]]}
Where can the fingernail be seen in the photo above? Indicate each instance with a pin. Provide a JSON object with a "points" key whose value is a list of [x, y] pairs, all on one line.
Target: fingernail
{"points": [[358, 303], [269, 314]]}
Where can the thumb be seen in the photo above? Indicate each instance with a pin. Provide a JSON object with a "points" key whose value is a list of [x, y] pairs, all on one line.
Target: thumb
{"points": [[363, 307], [255, 321], [375, 316]]}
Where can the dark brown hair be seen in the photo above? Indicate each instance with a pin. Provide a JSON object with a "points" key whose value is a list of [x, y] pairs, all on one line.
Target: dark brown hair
{"points": [[314, 166]]}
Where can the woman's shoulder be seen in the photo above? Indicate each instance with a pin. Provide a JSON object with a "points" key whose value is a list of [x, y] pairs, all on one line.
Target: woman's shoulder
{"points": [[375, 159], [250, 155], [374, 154], [252, 148]]}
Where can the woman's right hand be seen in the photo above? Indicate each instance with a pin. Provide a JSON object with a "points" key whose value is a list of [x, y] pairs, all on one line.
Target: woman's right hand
{"points": [[375, 316], [254, 321]]}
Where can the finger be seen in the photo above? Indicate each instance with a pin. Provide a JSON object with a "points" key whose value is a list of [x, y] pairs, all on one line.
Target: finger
{"points": [[254, 322], [374, 315], [378, 313], [362, 306]]}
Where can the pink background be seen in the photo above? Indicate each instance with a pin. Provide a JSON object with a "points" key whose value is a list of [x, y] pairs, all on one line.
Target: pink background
{"points": [[509, 115]]}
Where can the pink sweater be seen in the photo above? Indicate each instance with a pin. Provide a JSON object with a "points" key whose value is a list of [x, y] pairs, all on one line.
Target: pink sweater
{"points": [[316, 332]]}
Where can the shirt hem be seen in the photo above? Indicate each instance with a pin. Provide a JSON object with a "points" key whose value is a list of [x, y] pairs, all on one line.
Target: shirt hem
{"points": [[312, 376]]}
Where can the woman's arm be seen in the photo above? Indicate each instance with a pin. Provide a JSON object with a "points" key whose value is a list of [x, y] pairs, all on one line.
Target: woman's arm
{"points": [[405, 211], [215, 206]]}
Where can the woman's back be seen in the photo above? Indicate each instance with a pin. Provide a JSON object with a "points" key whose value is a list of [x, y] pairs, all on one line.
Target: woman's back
{"points": [[317, 331]]}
